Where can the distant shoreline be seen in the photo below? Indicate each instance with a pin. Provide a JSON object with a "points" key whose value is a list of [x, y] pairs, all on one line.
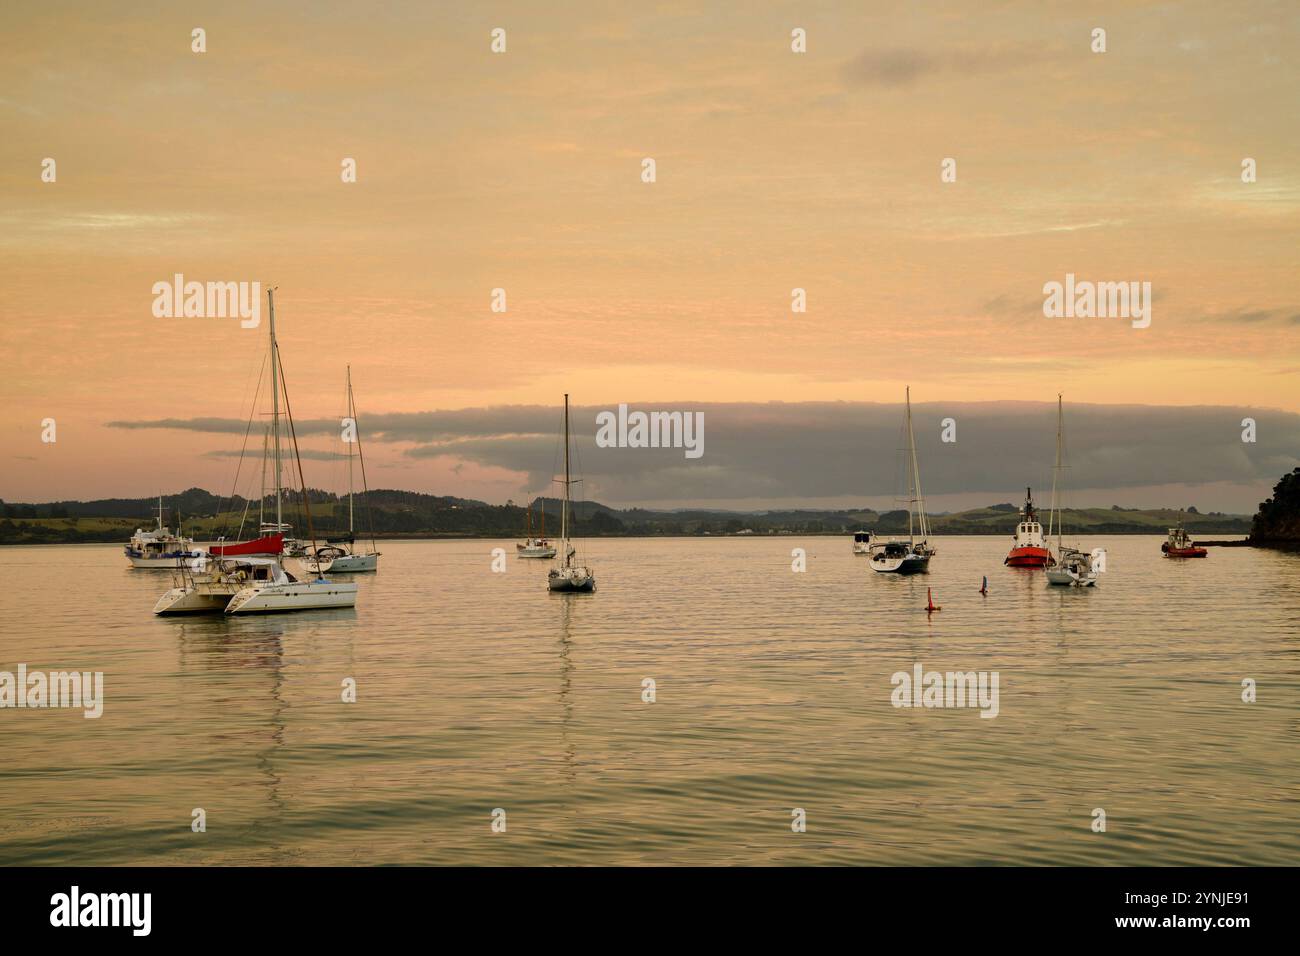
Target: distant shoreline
{"points": [[1229, 542]]}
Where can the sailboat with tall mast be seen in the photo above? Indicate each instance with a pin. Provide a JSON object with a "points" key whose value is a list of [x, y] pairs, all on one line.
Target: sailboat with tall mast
{"points": [[1069, 566], [895, 556], [570, 575], [340, 554], [237, 581]]}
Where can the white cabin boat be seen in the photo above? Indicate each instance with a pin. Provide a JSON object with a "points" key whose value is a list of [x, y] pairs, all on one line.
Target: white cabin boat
{"points": [[159, 549], [535, 547], [862, 541]]}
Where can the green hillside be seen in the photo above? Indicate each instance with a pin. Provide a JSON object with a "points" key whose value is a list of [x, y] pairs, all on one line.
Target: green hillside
{"points": [[411, 514]]}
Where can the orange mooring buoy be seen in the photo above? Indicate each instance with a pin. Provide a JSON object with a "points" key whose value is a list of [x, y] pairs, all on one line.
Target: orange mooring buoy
{"points": [[930, 605]]}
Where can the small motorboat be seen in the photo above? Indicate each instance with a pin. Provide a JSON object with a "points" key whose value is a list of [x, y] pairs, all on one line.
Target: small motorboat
{"points": [[862, 541], [1179, 545]]}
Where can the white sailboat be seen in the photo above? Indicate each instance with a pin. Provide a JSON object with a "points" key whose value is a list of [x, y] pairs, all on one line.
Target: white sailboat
{"points": [[159, 549], [895, 556], [1068, 567], [339, 554], [569, 576], [537, 547], [248, 583]]}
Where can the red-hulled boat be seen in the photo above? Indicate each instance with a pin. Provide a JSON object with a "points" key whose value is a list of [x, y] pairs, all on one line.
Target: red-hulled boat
{"points": [[1028, 551], [1179, 545], [267, 544]]}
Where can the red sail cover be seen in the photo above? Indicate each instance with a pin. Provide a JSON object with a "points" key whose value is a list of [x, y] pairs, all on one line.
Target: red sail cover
{"points": [[270, 544]]}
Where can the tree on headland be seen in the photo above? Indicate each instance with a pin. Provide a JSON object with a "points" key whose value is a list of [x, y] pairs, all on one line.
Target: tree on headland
{"points": [[1278, 518]]}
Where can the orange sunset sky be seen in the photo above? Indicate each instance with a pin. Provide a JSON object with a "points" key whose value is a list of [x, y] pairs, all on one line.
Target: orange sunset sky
{"points": [[522, 170]]}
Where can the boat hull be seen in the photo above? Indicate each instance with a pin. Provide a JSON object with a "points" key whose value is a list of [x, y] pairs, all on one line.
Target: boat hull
{"points": [[295, 596], [193, 600], [351, 563], [575, 580], [1060, 578], [165, 563], [544, 553], [1028, 557], [1183, 552], [911, 564]]}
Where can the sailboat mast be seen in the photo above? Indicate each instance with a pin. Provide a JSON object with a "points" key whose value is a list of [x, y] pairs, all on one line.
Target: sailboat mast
{"points": [[275, 405], [352, 416], [915, 488], [1055, 516], [261, 502], [564, 509], [160, 511]]}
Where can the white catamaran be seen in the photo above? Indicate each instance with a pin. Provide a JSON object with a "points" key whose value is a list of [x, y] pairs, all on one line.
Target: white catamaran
{"points": [[895, 556], [340, 554], [1069, 567], [569, 576], [239, 579]]}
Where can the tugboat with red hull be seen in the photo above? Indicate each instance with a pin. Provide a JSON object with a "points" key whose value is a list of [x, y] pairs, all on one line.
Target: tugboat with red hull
{"points": [[1179, 545], [1028, 549]]}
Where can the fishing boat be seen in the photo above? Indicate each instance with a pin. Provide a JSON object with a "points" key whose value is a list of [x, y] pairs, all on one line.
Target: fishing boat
{"points": [[340, 555], [570, 575], [862, 541], [1028, 549], [1069, 567], [1179, 545], [537, 547], [241, 578], [159, 549], [896, 556]]}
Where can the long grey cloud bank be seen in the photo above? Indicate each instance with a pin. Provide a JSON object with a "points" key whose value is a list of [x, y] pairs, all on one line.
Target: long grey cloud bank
{"points": [[819, 451]]}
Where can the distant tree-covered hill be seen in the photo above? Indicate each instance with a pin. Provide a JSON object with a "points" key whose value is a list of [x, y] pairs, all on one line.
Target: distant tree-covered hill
{"points": [[394, 513]]}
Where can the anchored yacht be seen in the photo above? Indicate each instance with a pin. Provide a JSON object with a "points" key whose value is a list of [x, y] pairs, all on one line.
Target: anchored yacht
{"points": [[896, 556], [159, 549], [569, 576]]}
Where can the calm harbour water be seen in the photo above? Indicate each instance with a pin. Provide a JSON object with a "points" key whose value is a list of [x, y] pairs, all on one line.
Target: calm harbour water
{"points": [[479, 690]]}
